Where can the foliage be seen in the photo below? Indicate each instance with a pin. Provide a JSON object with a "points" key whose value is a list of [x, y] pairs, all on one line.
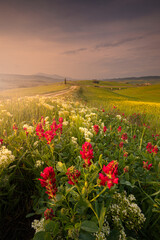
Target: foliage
{"points": [[95, 161]]}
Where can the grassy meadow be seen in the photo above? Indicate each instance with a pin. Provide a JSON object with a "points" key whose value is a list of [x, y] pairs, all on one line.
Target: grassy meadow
{"points": [[32, 91], [144, 100], [80, 166]]}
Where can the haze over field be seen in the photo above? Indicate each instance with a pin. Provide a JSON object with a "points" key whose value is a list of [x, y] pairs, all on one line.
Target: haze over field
{"points": [[81, 39]]}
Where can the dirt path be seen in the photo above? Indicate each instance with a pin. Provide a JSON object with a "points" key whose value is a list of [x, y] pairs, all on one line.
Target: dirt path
{"points": [[55, 94]]}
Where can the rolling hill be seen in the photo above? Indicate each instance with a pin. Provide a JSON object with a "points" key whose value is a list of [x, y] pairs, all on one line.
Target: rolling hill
{"points": [[9, 81]]}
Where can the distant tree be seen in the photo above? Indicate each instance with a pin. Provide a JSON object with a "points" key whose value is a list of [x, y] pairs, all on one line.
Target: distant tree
{"points": [[95, 81], [65, 81]]}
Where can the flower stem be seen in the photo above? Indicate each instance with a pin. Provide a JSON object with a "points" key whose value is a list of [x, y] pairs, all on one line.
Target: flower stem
{"points": [[104, 189]]}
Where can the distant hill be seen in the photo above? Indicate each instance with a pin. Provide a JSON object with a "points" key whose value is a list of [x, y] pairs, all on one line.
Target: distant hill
{"points": [[9, 81], [54, 76], [136, 80]]}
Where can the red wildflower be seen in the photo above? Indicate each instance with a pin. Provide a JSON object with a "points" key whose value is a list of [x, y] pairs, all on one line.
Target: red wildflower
{"points": [[103, 110], [155, 149], [61, 120], [49, 135], [48, 214], [54, 126], [48, 181], [109, 175], [125, 154], [104, 129], [126, 169], [40, 130], [146, 165], [121, 144], [72, 174], [151, 148], [119, 129], [96, 128], [124, 136], [1, 141], [134, 136], [25, 129], [87, 154]]}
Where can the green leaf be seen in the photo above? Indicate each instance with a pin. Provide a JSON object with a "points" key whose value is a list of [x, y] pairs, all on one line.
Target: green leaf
{"points": [[52, 227], [89, 226], [102, 215], [30, 215], [61, 167], [126, 183], [42, 236], [85, 235]]}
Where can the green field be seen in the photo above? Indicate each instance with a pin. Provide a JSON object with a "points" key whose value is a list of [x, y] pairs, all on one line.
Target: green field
{"points": [[144, 100], [31, 91], [147, 93], [98, 83]]}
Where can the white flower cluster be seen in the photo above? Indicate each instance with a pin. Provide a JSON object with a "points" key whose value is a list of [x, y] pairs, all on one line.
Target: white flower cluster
{"points": [[126, 211], [38, 225], [104, 232], [119, 117], [39, 163], [6, 157], [100, 236], [74, 140], [48, 106], [122, 235], [87, 134]]}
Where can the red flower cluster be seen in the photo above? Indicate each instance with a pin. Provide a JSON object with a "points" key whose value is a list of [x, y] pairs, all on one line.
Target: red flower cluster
{"points": [[87, 154], [124, 136], [96, 128], [151, 148], [104, 129], [1, 141], [49, 214], [119, 129], [48, 181], [146, 165], [125, 154], [73, 174], [109, 175], [121, 144], [57, 127], [40, 130], [49, 135]]}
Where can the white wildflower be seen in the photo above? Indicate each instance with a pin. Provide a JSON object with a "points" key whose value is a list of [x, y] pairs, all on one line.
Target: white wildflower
{"points": [[119, 117], [38, 225], [6, 157]]}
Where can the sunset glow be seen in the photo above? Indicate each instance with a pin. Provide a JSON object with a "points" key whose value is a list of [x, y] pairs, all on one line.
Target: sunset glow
{"points": [[80, 39]]}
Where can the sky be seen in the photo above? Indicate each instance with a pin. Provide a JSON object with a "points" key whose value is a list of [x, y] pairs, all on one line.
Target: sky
{"points": [[82, 39]]}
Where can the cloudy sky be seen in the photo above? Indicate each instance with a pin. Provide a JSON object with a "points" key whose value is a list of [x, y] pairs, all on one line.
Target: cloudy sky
{"points": [[82, 39]]}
